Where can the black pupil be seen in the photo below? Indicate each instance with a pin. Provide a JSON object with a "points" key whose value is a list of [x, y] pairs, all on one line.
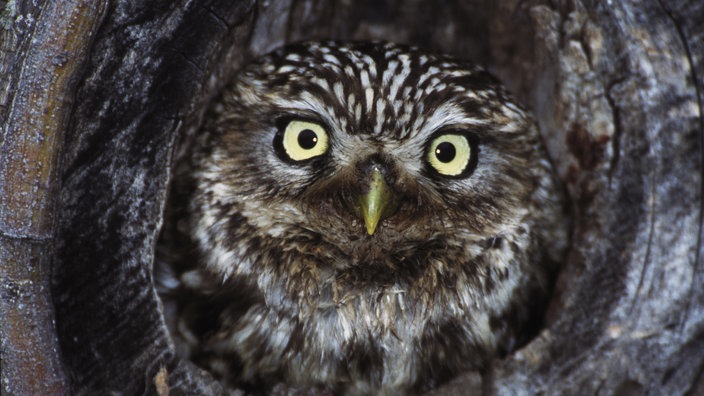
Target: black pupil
{"points": [[307, 139], [445, 152]]}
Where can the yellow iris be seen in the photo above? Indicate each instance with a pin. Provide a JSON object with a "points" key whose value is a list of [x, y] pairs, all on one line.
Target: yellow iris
{"points": [[304, 140], [449, 154]]}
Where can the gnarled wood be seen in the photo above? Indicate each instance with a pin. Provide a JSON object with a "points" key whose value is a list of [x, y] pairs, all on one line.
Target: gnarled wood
{"points": [[43, 48], [616, 88]]}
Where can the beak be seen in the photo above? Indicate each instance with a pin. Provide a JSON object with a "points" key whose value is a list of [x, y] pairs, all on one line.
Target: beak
{"points": [[378, 203]]}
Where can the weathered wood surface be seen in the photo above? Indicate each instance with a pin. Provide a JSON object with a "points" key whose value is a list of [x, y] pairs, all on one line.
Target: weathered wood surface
{"points": [[42, 50], [616, 88]]}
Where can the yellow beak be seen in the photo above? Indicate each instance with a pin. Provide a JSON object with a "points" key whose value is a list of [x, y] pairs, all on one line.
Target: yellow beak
{"points": [[378, 202]]}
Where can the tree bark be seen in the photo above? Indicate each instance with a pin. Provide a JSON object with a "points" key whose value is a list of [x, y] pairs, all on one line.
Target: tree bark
{"points": [[42, 50], [99, 99]]}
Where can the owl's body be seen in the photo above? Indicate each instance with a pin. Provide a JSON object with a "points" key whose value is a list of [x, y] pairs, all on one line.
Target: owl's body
{"points": [[369, 218]]}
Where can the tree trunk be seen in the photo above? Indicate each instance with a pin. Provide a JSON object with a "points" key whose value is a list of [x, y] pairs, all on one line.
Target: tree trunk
{"points": [[97, 100]]}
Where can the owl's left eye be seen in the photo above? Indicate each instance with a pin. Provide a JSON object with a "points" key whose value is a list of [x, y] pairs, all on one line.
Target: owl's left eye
{"points": [[301, 140], [451, 154]]}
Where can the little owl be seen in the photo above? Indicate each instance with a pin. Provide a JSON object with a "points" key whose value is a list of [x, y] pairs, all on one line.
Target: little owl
{"points": [[362, 218]]}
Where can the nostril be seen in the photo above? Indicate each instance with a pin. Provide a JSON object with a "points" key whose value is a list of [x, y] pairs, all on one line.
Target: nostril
{"points": [[379, 161]]}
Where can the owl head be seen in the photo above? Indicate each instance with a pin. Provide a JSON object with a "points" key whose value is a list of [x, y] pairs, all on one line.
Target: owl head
{"points": [[370, 192], [371, 148]]}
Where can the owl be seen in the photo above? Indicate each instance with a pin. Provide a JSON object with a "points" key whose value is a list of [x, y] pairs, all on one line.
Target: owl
{"points": [[364, 218]]}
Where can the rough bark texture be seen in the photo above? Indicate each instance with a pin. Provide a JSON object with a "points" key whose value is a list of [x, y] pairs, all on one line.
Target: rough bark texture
{"points": [[42, 50], [616, 87]]}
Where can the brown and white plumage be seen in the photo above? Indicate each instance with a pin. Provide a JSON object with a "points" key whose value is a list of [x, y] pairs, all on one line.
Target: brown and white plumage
{"points": [[291, 283]]}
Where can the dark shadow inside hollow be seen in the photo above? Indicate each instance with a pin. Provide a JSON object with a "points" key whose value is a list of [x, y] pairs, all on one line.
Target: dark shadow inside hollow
{"points": [[497, 37]]}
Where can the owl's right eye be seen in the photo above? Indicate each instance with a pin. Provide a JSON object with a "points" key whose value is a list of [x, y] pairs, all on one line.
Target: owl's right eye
{"points": [[301, 140]]}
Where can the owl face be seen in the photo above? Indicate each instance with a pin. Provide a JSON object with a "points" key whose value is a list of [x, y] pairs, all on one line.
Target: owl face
{"points": [[368, 197], [371, 146]]}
